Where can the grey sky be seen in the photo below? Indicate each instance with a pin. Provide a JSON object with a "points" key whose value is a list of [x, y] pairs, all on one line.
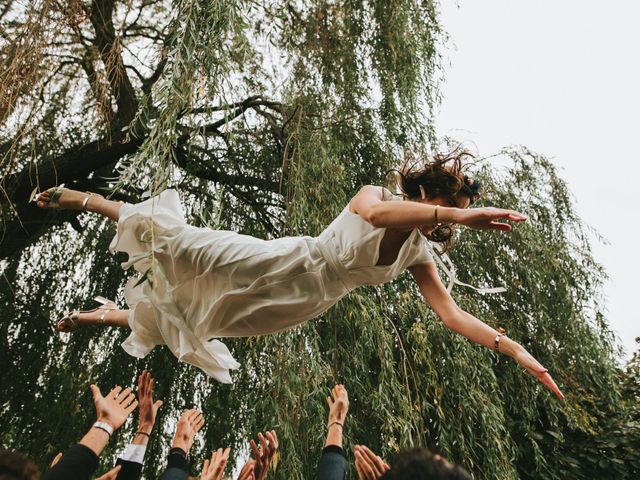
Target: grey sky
{"points": [[562, 78]]}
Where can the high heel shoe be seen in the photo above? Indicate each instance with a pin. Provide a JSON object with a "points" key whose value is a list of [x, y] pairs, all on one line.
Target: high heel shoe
{"points": [[69, 323]]}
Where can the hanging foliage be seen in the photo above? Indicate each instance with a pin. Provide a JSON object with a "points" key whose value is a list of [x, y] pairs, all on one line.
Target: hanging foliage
{"points": [[267, 117]]}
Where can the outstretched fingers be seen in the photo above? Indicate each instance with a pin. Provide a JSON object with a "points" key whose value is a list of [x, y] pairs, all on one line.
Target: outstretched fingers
{"points": [[548, 381]]}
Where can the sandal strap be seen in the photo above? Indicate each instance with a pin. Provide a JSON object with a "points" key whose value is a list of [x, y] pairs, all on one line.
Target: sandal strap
{"points": [[70, 320], [54, 195]]}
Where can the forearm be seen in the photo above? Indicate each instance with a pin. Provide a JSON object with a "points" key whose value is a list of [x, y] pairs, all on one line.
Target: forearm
{"points": [[95, 439], [334, 435], [408, 214], [143, 434], [479, 332]]}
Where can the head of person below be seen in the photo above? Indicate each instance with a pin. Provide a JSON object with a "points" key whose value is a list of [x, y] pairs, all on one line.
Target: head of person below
{"points": [[422, 464]]}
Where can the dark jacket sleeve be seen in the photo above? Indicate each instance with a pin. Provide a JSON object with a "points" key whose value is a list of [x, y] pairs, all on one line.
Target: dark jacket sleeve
{"points": [[332, 465], [129, 470], [177, 466], [79, 463]]}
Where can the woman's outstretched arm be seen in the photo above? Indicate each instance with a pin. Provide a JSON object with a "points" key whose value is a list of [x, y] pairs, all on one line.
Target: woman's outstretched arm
{"points": [[369, 205], [470, 327]]}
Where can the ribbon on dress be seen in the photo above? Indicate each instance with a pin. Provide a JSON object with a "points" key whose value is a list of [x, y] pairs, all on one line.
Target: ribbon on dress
{"points": [[445, 263]]}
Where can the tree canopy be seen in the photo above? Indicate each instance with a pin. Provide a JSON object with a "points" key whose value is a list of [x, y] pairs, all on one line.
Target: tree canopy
{"points": [[267, 117]]}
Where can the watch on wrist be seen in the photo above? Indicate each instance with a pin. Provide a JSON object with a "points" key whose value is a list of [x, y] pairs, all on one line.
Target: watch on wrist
{"points": [[104, 426]]}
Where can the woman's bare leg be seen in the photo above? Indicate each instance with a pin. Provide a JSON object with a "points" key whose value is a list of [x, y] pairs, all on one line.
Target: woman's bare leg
{"points": [[75, 200], [107, 208], [111, 318]]}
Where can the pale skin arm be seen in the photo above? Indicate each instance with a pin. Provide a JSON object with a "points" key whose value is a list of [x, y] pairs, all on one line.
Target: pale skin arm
{"points": [[369, 205], [338, 407], [470, 327]]}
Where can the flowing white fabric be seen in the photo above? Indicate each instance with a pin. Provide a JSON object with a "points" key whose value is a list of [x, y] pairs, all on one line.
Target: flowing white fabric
{"points": [[197, 284]]}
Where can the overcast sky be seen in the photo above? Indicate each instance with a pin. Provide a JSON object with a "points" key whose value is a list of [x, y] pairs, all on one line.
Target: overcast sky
{"points": [[562, 78]]}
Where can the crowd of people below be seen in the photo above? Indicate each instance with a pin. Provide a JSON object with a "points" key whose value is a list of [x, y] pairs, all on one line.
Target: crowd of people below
{"points": [[81, 461]]}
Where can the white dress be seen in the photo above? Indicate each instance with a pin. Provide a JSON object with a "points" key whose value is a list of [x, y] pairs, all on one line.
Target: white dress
{"points": [[205, 283]]}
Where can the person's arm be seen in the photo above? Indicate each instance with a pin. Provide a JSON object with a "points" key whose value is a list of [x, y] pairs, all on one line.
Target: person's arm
{"points": [[132, 458], [470, 327], [81, 460], [190, 423], [332, 464], [368, 203]]}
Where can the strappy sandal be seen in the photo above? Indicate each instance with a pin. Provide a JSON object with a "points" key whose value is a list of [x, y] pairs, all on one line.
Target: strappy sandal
{"points": [[56, 192], [69, 323]]}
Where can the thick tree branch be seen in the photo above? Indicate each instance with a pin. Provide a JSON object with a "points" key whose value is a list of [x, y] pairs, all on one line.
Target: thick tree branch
{"points": [[110, 52]]}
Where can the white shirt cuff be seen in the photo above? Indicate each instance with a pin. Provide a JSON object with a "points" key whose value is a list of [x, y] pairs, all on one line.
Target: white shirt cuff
{"points": [[134, 453]]}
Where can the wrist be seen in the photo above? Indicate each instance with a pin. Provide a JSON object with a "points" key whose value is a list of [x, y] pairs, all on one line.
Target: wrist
{"points": [[181, 444], [448, 214], [336, 420], [145, 428], [108, 422], [509, 347]]}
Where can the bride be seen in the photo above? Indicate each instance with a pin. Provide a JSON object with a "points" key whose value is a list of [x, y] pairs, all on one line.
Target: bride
{"points": [[196, 284]]}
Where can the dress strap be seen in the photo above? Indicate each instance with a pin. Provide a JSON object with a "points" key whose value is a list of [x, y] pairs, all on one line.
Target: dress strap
{"points": [[445, 263]]}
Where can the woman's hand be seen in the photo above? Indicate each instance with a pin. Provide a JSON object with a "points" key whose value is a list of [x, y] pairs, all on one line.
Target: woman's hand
{"points": [[338, 406], [526, 360], [264, 454], [247, 472], [368, 465], [487, 218], [188, 426], [115, 407], [148, 408], [214, 468]]}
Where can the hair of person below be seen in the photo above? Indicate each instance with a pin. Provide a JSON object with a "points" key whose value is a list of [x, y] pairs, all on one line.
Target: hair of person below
{"points": [[422, 464], [443, 175], [16, 466]]}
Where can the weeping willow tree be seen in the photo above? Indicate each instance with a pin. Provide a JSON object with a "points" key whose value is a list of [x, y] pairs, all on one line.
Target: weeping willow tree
{"points": [[267, 117]]}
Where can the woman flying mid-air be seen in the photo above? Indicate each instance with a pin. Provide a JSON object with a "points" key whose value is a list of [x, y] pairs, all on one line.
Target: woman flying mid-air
{"points": [[210, 283]]}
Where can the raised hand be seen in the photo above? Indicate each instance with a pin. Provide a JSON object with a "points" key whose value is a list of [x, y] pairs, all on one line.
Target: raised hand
{"points": [[338, 405], [248, 470], [214, 468], [189, 424], [368, 465], [264, 454], [487, 218], [115, 407], [526, 360], [148, 408], [111, 474]]}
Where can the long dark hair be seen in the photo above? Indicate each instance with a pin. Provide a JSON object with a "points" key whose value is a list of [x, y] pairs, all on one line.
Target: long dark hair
{"points": [[442, 175]]}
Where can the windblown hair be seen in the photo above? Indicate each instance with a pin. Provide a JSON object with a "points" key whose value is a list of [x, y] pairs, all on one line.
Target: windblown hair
{"points": [[441, 176]]}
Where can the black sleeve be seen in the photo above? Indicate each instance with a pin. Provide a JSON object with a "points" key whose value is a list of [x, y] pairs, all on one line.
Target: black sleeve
{"points": [[129, 470], [177, 466], [332, 465], [79, 463]]}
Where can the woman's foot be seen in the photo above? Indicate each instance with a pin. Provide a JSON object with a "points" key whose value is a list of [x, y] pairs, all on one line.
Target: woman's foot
{"points": [[76, 319], [65, 198]]}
